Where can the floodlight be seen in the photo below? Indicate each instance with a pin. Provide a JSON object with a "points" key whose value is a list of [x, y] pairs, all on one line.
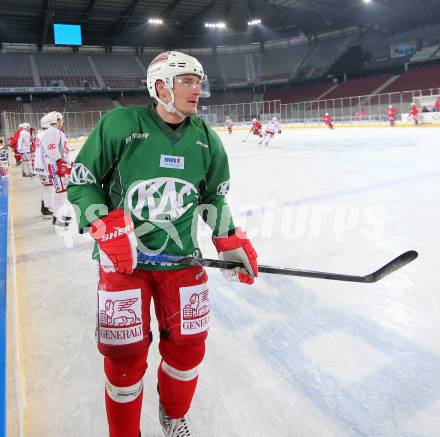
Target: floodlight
{"points": [[219, 25], [254, 22]]}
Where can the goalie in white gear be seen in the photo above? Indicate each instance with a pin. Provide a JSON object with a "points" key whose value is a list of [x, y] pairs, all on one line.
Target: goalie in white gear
{"points": [[56, 152], [272, 127], [41, 169]]}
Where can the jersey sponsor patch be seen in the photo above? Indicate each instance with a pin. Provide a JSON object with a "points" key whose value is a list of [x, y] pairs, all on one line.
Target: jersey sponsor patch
{"points": [[194, 309], [120, 317], [199, 143], [169, 161], [81, 175], [136, 136]]}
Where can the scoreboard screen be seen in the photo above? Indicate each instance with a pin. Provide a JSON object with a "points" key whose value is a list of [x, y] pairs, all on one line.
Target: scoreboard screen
{"points": [[67, 34]]}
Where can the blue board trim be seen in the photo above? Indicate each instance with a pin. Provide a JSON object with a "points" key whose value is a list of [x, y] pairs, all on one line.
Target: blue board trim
{"points": [[4, 184]]}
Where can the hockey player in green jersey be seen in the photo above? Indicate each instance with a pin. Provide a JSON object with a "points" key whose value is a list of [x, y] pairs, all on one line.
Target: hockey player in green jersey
{"points": [[138, 185]]}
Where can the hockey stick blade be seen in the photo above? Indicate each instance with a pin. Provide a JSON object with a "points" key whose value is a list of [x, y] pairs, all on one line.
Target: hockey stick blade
{"points": [[392, 266]]}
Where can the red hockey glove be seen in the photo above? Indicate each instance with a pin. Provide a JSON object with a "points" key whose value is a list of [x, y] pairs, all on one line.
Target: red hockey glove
{"points": [[117, 242], [237, 247], [63, 169]]}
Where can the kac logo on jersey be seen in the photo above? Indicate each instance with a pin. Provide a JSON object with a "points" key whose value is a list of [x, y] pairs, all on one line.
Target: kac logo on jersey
{"points": [[223, 188], [169, 161], [161, 199], [81, 175]]}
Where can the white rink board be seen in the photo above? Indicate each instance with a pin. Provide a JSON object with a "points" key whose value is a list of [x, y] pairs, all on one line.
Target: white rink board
{"points": [[287, 357]]}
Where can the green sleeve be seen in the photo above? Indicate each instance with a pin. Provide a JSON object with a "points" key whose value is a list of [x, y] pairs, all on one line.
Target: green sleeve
{"points": [[219, 218], [94, 162]]}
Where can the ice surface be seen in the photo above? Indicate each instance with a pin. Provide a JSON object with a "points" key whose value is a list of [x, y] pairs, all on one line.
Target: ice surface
{"points": [[287, 357]]}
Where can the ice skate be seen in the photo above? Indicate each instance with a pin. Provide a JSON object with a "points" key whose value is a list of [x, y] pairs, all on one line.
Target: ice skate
{"points": [[45, 212], [61, 223], [173, 427]]}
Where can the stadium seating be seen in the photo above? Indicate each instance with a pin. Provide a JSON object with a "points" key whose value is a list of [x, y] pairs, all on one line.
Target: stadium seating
{"points": [[358, 87], [244, 95], [43, 104], [233, 67], [15, 70], [10, 105], [143, 99], [418, 78], [212, 69], [279, 63], [322, 56], [297, 93], [68, 70], [120, 71], [92, 103]]}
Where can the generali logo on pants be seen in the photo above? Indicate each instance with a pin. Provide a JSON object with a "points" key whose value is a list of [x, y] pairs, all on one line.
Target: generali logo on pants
{"points": [[194, 309], [120, 317]]}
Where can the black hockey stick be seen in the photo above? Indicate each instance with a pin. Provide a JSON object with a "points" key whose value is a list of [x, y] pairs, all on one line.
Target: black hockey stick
{"points": [[395, 264]]}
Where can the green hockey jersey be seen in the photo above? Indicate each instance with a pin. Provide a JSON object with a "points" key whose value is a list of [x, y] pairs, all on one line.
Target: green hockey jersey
{"points": [[164, 178]]}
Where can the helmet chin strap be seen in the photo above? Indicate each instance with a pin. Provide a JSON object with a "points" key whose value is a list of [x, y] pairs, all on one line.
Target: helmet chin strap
{"points": [[169, 107]]}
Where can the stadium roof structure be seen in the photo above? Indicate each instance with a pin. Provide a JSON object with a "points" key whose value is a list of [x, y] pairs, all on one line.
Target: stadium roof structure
{"points": [[111, 23]]}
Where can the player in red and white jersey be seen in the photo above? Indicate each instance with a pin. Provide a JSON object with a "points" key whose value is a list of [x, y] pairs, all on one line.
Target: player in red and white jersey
{"points": [[256, 128], [392, 115], [362, 115], [272, 127], [13, 144], [56, 152], [328, 120], [414, 113], [41, 169], [24, 148]]}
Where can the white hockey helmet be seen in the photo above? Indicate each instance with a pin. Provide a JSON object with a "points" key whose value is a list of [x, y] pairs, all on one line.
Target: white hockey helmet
{"points": [[274, 119], [25, 125], [166, 67], [254, 120], [53, 117], [326, 113], [44, 122]]}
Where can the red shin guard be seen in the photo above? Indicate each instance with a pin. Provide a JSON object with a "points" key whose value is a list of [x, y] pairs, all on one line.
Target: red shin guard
{"points": [[178, 375], [123, 395]]}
